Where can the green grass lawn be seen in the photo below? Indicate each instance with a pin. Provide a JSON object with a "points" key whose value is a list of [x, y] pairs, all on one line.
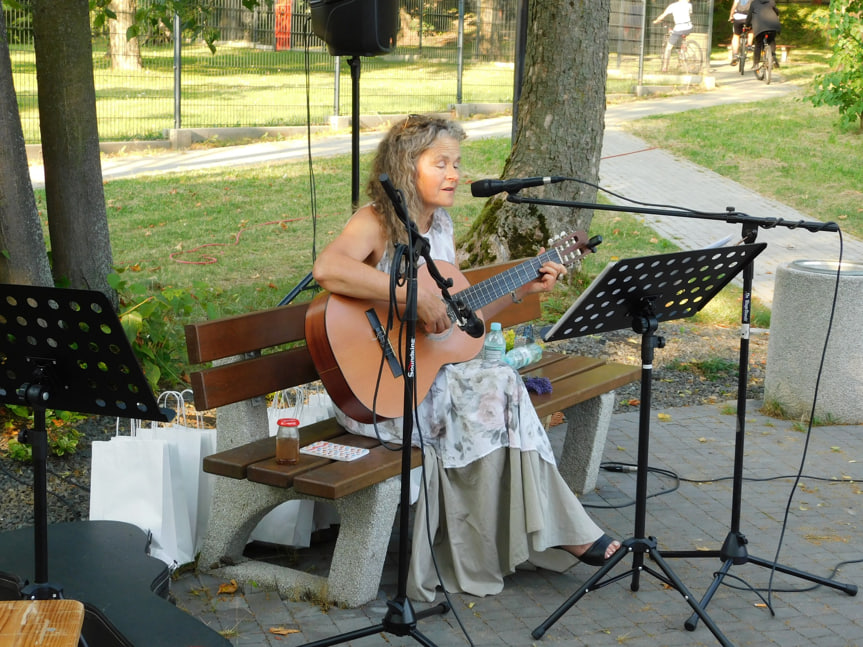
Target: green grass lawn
{"points": [[242, 86], [241, 239]]}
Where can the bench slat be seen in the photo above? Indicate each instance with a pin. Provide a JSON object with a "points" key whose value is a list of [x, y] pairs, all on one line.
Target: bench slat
{"points": [[556, 366], [235, 462], [341, 478], [268, 471], [228, 383], [583, 386], [245, 333]]}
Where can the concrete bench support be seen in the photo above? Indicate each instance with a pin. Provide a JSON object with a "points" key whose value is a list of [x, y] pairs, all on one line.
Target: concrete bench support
{"points": [[586, 430]]}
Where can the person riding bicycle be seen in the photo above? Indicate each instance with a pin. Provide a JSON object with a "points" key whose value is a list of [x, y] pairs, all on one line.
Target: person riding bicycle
{"points": [[764, 18], [681, 12], [739, 14]]}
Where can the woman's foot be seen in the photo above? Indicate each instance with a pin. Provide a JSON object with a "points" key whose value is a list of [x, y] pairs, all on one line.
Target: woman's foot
{"points": [[597, 553]]}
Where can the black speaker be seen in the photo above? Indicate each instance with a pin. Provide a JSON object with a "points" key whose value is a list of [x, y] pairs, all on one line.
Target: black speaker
{"points": [[356, 27]]}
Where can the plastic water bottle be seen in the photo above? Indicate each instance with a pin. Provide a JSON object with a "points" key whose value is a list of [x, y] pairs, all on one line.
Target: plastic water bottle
{"points": [[494, 346], [524, 355]]}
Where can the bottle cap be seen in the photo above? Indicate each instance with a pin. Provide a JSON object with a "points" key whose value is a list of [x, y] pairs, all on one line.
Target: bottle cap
{"points": [[288, 422], [495, 325]]}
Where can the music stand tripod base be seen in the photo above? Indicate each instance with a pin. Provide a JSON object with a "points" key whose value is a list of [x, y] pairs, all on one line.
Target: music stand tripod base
{"points": [[638, 293]]}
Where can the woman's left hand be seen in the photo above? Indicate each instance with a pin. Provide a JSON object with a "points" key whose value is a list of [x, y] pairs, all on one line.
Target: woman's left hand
{"points": [[550, 274]]}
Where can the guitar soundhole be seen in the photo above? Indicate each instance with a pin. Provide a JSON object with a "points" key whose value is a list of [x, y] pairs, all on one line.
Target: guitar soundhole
{"points": [[441, 336]]}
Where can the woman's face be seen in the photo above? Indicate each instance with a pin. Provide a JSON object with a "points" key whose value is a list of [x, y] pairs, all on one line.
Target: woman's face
{"points": [[438, 173]]}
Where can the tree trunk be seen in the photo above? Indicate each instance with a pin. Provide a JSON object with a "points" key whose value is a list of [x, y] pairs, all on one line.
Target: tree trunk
{"points": [[561, 118], [125, 52], [485, 29], [233, 22], [22, 248], [77, 220]]}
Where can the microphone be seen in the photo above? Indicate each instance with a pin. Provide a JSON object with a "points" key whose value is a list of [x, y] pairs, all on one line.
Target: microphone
{"points": [[473, 325], [487, 188], [466, 318]]}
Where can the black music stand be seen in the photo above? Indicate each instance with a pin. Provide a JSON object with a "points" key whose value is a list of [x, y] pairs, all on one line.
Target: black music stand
{"points": [[65, 349], [638, 293], [733, 551]]}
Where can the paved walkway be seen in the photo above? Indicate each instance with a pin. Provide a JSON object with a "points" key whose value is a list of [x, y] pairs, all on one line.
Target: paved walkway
{"points": [[816, 530], [633, 168]]}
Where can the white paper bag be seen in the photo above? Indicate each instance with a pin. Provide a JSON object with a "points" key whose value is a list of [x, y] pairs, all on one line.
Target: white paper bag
{"points": [[192, 443], [132, 480], [292, 522]]}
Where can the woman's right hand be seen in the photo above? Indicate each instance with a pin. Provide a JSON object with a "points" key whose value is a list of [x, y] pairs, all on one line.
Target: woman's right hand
{"points": [[432, 314]]}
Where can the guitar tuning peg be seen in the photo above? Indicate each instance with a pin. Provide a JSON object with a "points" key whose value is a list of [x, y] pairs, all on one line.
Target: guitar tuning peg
{"points": [[593, 243]]}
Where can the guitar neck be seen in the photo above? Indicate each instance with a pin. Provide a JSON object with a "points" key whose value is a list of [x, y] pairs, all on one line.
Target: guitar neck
{"points": [[482, 293]]}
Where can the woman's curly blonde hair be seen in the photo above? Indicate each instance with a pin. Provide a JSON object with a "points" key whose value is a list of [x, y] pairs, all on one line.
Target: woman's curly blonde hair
{"points": [[397, 156]]}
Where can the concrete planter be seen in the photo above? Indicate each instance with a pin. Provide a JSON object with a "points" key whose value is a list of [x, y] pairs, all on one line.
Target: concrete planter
{"points": [[802, 302]]}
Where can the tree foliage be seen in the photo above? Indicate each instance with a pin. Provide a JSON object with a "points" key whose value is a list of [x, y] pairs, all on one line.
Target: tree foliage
{"points": [[842, 86], [159, 15]]}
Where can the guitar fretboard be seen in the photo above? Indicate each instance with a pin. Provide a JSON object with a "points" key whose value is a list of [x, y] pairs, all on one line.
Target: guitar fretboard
{"points": [[481, 294]]}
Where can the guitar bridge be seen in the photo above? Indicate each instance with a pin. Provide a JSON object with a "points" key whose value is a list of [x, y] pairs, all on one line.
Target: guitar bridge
{"points": [[384, 342]]}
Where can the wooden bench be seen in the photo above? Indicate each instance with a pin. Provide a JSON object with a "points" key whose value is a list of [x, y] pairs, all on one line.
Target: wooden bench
{"points": [[784, 52], [365, 492], [50, 623]]}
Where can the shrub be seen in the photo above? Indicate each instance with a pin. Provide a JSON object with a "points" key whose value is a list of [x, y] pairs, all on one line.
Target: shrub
{"points": [[842, 86]]}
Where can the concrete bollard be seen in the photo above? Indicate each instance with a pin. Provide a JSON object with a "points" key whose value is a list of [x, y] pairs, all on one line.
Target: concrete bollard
{"points": [[802, 302]]}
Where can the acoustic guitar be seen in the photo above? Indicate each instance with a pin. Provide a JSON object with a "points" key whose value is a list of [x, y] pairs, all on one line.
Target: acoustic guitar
{"points": [[360, 362]]}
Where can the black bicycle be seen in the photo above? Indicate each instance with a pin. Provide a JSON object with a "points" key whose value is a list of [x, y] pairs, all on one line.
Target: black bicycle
{"points": [[764, 69], [742, 48]]}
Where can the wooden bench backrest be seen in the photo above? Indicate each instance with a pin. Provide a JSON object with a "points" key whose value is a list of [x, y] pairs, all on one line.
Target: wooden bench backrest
{"points": [[262, 373]]}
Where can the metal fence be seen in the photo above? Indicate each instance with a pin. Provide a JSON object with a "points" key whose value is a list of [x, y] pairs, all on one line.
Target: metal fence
{"points": [[269, 69]]}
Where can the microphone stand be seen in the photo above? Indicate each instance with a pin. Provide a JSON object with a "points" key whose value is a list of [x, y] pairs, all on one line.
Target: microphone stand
{"points": [[400, 618], [733, 550], [730, 215], [460, 313]]}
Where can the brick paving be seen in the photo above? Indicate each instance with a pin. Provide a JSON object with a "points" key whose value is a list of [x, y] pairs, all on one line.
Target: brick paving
{"points": [[818, 533]]}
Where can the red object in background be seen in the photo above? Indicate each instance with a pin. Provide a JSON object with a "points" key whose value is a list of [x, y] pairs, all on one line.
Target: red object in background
{"points": [[283, 24]]}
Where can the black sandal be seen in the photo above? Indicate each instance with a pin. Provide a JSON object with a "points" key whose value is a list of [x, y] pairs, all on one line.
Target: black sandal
{"points": [[595, 555]]}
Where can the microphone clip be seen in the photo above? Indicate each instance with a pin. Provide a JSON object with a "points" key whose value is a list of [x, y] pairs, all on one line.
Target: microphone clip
{"points": [[466, 319]]}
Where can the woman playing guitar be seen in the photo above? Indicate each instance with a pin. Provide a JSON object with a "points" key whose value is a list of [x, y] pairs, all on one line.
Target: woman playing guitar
{"points": [[494, 490]]}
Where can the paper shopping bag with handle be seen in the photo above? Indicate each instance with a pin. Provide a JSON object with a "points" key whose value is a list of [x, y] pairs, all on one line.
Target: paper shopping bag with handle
{"points": [[192, 442], [132, 480]]}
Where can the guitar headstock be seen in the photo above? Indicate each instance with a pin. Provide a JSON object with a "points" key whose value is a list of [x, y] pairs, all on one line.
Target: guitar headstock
{"points": [[571, 247]]}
